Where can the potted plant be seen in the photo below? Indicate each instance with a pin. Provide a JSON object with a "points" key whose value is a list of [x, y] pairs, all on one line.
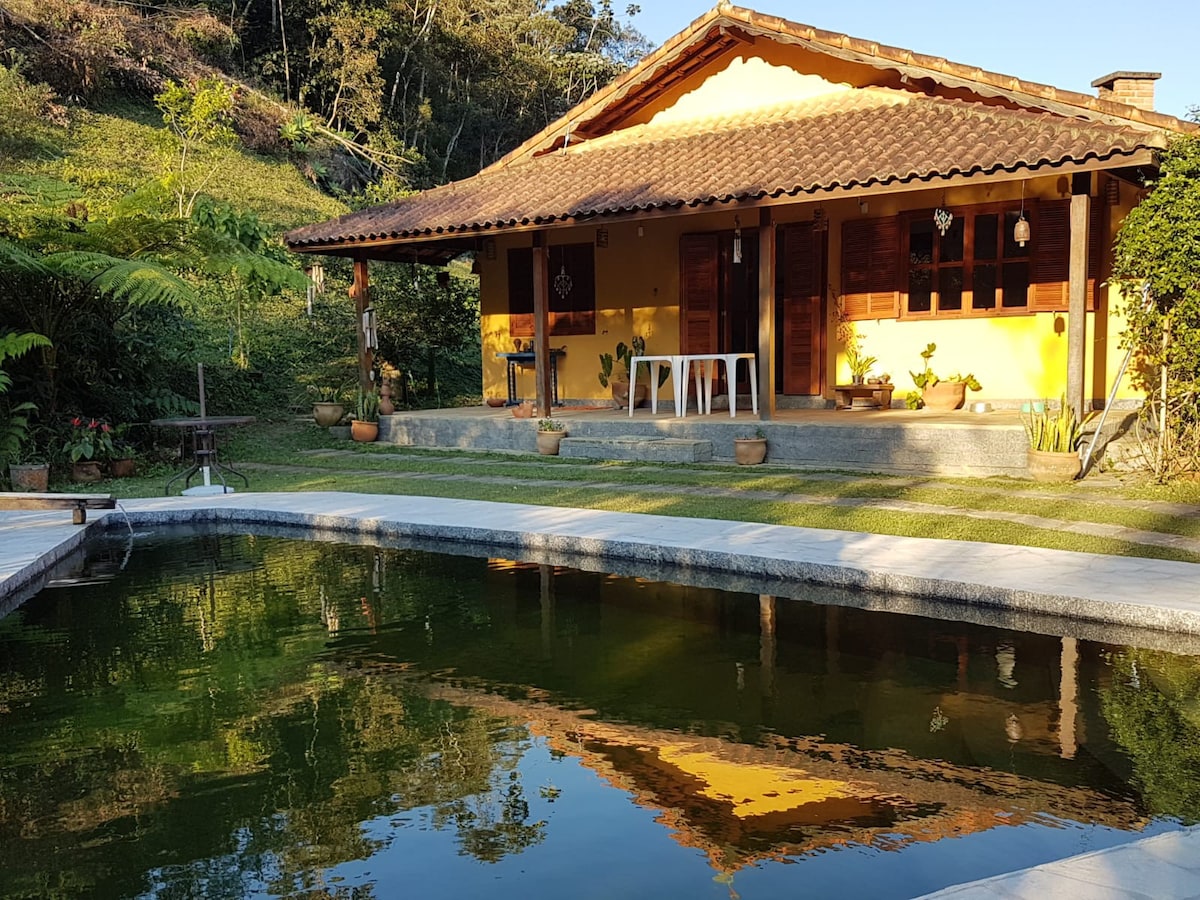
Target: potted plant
{"points": [[940, 394], [1054, 439], [88, 445], [327, 408], [750, 451], [618, 380], [549, 435], [364, 426], [28, 471]]}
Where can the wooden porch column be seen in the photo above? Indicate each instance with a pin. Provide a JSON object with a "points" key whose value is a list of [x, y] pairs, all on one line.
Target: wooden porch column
{"points": [[541, 323], [766, 316], [1081, 185], [361, 292]]}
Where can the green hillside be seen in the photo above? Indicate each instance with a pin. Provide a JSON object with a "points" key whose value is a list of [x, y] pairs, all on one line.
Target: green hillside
{"points": [[106, 153]]}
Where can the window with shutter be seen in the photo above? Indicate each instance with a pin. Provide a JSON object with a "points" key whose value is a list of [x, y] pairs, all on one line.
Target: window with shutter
{"points": [[870, 267], [572, 285], [975, 268]]}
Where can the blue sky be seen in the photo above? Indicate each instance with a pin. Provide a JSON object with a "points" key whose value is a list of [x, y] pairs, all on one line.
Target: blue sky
{"points": [[1064, 44]]}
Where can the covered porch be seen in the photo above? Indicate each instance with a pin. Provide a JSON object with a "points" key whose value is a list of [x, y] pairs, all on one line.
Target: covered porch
{"points": [[896, 441]]}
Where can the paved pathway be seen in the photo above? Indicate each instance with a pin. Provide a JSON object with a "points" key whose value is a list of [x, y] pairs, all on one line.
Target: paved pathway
{"points": [[1164, 867], [1134, 591], [1094, 529]]}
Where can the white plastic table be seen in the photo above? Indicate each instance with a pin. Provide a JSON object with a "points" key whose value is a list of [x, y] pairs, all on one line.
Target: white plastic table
{"points": [[678, 380], [704, 398]]}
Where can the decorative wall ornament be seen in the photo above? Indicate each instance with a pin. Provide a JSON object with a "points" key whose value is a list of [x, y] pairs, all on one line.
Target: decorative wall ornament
{"points": [[943, 218], [602, 237], [820, 219], [563, 283], [737, 239]]}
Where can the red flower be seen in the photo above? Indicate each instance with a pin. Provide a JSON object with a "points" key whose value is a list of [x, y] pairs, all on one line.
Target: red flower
{"points": [[77, 421], [93, 424], [104, 427]]}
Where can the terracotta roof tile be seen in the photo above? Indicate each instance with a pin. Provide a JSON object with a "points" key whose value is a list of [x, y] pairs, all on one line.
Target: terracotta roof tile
{"points": [[844, 139]]}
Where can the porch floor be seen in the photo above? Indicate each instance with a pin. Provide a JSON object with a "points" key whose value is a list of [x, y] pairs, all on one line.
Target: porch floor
{"points": [[898, 441]]}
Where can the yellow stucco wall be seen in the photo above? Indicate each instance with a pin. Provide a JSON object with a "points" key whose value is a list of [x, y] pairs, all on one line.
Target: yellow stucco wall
{"points": [[1016, 357]]}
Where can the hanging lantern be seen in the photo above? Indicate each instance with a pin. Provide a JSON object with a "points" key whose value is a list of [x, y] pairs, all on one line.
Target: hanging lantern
{"points": [[737, 239], [942, 218], [1021, 231], [820, 219]]}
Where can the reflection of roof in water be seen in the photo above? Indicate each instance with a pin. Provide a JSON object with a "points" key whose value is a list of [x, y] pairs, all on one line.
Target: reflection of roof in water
{"points": [[739, 803]]}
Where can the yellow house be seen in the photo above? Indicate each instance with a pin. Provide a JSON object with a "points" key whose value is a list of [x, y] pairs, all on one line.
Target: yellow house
{"points": [[761, 186]]}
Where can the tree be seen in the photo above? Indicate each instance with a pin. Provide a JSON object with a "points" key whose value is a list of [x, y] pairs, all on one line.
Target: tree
{"points": [[1159, 248], [197, 116]]}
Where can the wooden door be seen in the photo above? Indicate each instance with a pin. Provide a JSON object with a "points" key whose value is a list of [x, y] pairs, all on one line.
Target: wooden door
{"points": [[699, 293], [801, 258]]}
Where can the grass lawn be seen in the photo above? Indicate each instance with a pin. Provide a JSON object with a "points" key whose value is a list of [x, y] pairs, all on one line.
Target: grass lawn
{"points": [[963, 509]]}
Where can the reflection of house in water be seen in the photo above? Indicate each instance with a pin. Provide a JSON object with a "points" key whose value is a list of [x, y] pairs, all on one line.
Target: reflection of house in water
{"points": [[740, 803], [704, 704]]}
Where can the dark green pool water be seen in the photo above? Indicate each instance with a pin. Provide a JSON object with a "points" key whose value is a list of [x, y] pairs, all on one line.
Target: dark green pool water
{"points": [[241, 716]]}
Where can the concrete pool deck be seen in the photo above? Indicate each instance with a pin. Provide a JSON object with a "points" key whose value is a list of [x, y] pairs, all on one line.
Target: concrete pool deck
{"points": [[1135, 593]]}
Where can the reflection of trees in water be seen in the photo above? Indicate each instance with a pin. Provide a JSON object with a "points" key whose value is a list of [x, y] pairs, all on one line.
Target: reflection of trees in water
{"points": [[203, 728], [1153, 708]]}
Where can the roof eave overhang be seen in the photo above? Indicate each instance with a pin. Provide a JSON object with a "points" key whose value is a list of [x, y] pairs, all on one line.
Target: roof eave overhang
{"points": [[440, 245]]}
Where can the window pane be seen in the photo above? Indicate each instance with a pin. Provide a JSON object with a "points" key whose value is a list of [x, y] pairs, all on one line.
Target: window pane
{"points": [[984, 285], [951, 244], [920, 242], [920, 290], [1016, 285], [1011, 249], [950, 289], [986, 232]]}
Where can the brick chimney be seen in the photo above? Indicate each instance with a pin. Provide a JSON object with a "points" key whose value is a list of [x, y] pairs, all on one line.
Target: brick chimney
{"points": [[1133, 88]]}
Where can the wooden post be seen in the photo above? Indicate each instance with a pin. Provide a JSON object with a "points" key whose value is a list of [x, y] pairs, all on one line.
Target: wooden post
{"points": [[361, 292], [541, 323], [766, 316], [1081, 185]]}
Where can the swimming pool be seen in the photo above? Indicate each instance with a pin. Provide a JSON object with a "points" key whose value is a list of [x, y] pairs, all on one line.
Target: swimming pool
{"points": [[241, 716]]}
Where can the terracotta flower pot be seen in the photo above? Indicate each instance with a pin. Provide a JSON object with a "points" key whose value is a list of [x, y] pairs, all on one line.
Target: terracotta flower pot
{"points": [[364, 432], [523, 410], [327, 414], [386, 406], [33, 477], [945, 396], [620, 394], [121, 468], [548, 441], [86, 472], [1051, 466], [749, 451]]}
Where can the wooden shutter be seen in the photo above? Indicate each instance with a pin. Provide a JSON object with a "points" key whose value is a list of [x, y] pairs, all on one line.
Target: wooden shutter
{"points": [[870, 268], [1051, 271], [698, 292], [803, 263], [1051, 263], [520, 292]]}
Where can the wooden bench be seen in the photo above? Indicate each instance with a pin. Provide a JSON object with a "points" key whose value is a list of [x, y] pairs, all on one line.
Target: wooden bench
{"points": [[79, 504], [881, 394]]}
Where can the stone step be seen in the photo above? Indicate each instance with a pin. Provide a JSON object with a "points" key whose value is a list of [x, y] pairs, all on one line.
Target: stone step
{"points": [[637, 448]]}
